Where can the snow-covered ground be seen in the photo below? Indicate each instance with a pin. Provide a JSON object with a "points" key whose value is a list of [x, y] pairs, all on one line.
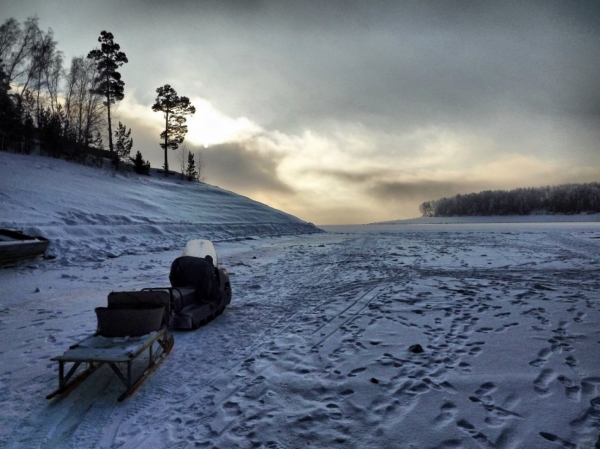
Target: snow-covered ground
{"points": [[314, 349]]}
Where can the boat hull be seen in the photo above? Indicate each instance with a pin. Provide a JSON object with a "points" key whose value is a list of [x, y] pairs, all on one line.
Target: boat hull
{"points": [[15, 246]]}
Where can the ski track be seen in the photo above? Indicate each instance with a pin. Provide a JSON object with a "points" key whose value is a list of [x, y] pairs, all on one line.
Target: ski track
{"points": [[314, 348]]}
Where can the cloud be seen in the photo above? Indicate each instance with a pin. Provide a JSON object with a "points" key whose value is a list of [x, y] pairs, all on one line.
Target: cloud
{"points": [[241, 167], [506, 173], [209, 126]]}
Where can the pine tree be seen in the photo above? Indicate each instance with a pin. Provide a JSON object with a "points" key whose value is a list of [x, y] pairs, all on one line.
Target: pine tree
{"points": [[139, 165], [97, 142], [50, 131], [123, 144], [191, 171], [174, 108], [108, 82]]}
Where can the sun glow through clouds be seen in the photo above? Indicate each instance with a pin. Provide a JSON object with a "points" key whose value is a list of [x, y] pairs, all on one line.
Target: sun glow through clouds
{"points": [[208, 126]]}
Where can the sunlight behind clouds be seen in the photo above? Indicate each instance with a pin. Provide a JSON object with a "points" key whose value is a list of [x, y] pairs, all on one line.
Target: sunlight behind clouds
{"points": [[209, 126]]}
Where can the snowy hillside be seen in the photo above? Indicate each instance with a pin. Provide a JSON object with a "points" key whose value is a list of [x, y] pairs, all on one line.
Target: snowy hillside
{"points": [[84, 210]]}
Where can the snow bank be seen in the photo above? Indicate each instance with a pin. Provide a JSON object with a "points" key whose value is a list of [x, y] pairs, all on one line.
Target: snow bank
{"points": [[93, 214]]}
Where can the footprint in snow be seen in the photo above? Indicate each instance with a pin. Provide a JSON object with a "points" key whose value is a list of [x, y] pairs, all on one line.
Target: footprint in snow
{"points": [[572, 391], [542, 382], [542, 357], [572, 361], [556, 439], [447, 414], [356, 371]]}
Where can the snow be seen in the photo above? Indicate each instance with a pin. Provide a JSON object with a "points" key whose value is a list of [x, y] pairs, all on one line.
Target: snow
{"points": [[313, 350], [93, 214]]}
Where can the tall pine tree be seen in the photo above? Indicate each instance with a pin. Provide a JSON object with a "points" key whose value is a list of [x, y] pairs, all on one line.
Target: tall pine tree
{"points": [[174, 108], [108, 82]]}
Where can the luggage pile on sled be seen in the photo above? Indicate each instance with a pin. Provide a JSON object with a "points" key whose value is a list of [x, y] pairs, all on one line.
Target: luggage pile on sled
{"points": [[134, 322]]}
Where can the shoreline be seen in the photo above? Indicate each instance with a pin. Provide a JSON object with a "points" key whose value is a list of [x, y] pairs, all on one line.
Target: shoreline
{"points": [[492, 219]]}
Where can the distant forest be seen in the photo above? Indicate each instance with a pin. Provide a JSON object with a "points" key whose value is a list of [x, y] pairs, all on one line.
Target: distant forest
{"points": [[563, 199]]}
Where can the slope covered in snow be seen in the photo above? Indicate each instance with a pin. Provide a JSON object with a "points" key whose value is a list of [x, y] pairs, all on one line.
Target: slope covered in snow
{"points": [[84, 210]]}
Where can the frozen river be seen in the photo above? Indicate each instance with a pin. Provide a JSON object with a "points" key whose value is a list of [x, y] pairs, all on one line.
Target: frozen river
{"points": [[314, 349]]}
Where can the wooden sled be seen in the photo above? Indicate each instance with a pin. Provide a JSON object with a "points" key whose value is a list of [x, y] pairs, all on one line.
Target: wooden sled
{"points": [[114, 351], [96, 351]]}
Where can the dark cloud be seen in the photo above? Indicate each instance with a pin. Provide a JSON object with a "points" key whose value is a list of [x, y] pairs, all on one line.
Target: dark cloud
{"points": [[372, 183], [242, 169], [423, 190], [392, 64], [351, 177]]}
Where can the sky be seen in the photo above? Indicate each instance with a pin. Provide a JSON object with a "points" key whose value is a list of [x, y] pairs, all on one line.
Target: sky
{"points": [[346, 112]]}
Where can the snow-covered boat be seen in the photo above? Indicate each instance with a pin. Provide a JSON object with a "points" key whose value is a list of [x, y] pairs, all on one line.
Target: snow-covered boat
{"points": [[15, 245]]}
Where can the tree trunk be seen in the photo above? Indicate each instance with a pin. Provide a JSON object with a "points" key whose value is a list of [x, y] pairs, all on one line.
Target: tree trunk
{"points": [[110, 142], [166, 139]]}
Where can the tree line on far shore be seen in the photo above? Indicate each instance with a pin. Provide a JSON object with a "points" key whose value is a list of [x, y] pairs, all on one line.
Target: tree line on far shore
{"points": [[67, 112], [562, 199]]}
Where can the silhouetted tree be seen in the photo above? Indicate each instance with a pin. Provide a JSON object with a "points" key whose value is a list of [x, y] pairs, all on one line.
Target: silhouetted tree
{"points": [[174, 108], [50, 131], [190, 170], [426, 209], [108, 81], [140, 166], [83, 107], [44, 69], [17, 46], [32, 63], [123, 144], [8, 113]]}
